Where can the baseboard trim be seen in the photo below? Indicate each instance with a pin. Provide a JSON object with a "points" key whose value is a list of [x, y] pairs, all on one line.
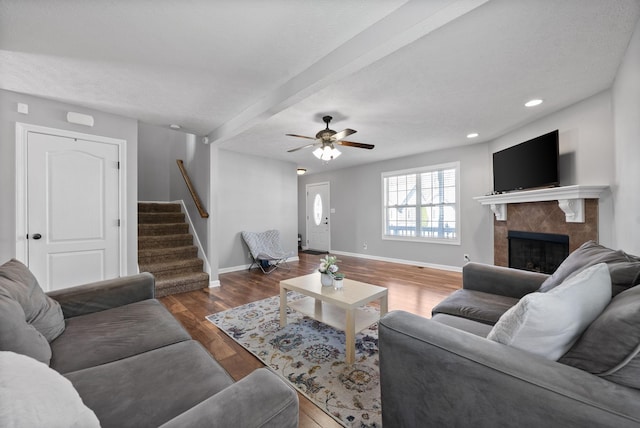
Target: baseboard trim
{"points": [[215, 283], [399, 261], [241, 267]]}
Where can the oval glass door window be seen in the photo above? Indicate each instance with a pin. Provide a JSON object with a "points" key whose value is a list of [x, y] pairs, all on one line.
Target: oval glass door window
{"points": [[317, 209]]}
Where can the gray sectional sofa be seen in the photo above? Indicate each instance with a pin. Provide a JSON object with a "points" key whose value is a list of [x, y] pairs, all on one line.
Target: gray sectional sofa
{"points": [[457, 369], [127, 358]]}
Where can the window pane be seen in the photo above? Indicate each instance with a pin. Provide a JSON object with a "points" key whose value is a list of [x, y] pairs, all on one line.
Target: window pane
{"points": [[401, 221]]}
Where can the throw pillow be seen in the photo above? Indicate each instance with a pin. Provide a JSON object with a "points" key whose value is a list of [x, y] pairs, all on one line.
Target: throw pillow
{"points": [[623, 268], [18, 336], [41, 311], [610, 347], [548, 324], [34, 395]]}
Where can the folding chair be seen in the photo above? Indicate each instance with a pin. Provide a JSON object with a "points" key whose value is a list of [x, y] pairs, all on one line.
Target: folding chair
{"points": [[266, 250]]}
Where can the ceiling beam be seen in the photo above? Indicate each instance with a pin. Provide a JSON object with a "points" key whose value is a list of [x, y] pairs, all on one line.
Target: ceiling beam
{"points": [[411, 21]]}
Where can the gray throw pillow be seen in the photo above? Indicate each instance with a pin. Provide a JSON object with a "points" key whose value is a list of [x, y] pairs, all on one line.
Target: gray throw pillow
{"points": [[610, 346], [623, 268], [40, 311], [18, 336]]}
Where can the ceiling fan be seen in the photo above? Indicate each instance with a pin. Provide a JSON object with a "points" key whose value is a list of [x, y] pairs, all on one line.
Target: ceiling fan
{"points": [[326, 139]]}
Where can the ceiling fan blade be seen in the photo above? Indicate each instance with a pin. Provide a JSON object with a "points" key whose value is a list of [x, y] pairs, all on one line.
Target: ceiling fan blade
{"points": [[303, 147], [342, 134], [300, 136], [358, 145]]}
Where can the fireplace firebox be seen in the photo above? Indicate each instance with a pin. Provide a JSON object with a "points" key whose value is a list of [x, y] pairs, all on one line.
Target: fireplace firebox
{"points": [[537, 252]]}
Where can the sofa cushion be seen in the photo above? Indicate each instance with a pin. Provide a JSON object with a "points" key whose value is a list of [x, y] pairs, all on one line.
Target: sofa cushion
{"points": [[42, 312], [610, 347], [17, 335], [475, 305], [113, 334], [151, 388], [464, 324], [33, 395], [548, 324], [623, 268]]}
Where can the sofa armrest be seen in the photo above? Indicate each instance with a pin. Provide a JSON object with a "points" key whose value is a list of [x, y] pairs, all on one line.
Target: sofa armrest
{"points": [[98, 296], [261, 399], [436, 375], [500, 280]]}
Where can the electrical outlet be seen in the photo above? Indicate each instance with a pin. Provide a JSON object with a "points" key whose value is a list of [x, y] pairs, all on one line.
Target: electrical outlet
{"points": [[249, 254], [466, 258], [364, 246]]}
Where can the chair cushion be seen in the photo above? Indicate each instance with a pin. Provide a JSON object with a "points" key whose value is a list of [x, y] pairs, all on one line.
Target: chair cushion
{"points": [[113, 334], [624, 268], [473, 327], [610, 347], [475, 305], [33, 395], [41, 311], [152, 387], [548, 324]]}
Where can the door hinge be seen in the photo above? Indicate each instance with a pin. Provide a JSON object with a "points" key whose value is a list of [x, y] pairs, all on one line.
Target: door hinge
{"points": [[118, 221], [118, 165]]}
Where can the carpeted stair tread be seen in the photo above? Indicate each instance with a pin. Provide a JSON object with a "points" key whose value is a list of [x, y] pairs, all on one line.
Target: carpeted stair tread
{"points": [[165, 248], [181, 283], [162, 229], [156, 255], [159, 218], [150, 207], [164, 241], [174, 268]]}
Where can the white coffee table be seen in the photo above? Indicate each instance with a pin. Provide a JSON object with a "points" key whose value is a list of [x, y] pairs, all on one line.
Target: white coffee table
{"points": [[337, 308]]}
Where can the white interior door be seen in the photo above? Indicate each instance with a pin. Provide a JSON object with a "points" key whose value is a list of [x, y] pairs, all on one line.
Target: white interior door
{"points": [[72, 210], [318, 217]]}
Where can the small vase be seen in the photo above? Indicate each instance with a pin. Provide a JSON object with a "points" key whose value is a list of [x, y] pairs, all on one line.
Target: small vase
{"points": [[337, 283], [326, 279]]}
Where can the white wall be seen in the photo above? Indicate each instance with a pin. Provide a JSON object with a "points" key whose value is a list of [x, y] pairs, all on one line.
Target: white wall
{"points": [[53, 114], [356, 196], [586, 149], [626, 108], [254, 194]]}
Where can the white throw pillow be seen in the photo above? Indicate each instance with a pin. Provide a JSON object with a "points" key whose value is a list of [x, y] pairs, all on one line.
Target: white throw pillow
{"points": [[34, 395], [548, 324]]}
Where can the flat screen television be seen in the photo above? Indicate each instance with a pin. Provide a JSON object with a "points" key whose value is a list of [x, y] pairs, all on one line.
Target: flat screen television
{"points": [[527, 165]]}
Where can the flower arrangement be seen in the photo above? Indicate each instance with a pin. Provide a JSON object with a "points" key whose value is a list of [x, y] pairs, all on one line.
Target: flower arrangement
{"points": [[328, 265]]}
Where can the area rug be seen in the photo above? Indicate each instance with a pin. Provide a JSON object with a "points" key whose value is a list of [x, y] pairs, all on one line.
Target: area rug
{"points": [[310, 356]]}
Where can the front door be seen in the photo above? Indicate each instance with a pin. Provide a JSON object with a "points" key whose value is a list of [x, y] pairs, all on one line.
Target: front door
{"points": [[73, 234], [318, 218]]}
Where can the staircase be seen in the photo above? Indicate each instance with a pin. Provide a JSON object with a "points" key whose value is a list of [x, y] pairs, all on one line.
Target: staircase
{"points": [[165, 248]]}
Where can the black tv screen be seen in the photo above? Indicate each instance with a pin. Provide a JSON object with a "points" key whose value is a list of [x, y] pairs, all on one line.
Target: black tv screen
{"points": [[527, 165]]}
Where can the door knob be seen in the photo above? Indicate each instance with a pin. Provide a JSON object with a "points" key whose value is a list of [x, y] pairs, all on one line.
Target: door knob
{"points": [[36, 236]]}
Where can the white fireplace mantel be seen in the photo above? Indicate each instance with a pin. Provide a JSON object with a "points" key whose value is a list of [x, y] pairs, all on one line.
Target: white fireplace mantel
{"points": [[570, 200]]}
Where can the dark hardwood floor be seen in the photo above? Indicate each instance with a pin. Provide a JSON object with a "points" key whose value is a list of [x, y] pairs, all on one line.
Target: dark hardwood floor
{"points": [[413, 289]]}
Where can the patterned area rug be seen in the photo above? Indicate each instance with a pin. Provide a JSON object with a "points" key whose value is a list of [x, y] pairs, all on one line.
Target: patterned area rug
{"points": [[310, 355]]}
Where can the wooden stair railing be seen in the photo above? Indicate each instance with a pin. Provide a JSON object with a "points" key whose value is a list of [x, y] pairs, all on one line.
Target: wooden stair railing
{"points": [[192, 190]]}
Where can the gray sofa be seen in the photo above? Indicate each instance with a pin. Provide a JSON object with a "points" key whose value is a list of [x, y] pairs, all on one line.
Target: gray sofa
{"points": [[444, 371], [128, 358]]}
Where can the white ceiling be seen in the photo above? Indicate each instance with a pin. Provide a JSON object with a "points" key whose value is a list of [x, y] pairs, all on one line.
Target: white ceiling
{"points": [[409, 76]]}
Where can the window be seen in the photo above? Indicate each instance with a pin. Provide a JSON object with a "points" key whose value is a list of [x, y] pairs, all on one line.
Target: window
{"points": [[422, 204]]}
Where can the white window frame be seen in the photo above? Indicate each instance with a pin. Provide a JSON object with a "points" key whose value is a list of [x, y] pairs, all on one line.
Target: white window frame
{"points": [[418, 171]]}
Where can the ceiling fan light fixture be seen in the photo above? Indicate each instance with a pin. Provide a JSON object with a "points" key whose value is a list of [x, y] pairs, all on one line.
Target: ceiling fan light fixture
{"points": [[326, 153]]}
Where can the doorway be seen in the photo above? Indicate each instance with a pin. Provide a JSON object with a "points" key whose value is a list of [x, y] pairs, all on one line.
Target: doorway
{"points": [[318, 217], [70, 208]]}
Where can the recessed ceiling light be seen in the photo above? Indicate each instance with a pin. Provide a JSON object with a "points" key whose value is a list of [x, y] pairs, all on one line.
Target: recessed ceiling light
{"points": [[472, 135], [174, 126], [301, 171], [533, 103]]}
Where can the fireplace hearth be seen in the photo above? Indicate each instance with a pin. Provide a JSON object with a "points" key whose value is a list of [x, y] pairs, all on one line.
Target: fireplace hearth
{"points": [[537, 252]]}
